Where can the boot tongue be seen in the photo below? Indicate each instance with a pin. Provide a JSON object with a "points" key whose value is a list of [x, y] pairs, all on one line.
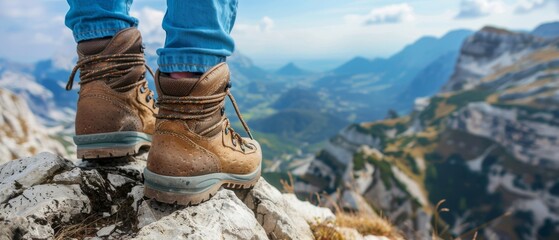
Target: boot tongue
{"points": [[126, 41], [212, 82]]}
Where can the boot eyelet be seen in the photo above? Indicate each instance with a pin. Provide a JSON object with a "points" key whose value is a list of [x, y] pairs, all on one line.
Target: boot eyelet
{"points": [[222, 111], [148, 98], [243, 147], [234, 142], [142, 89], [226, 131], [249, 147]]}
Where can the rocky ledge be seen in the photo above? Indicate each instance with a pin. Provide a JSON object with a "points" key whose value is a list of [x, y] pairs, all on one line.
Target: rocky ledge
{"points": [[46, 197]]}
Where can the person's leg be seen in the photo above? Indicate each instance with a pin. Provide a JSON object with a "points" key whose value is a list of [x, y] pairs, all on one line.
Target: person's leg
{"points": [[116, 112], [91, 19], [195, 149], [197, 35]]}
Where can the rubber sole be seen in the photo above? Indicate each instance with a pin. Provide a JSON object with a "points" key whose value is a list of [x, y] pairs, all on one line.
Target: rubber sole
{"points": [[108, 145], [194, 190]]}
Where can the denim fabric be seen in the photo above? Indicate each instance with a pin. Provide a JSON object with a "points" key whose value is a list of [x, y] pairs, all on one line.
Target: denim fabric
{"points": [[90, 19], [197, 32]]}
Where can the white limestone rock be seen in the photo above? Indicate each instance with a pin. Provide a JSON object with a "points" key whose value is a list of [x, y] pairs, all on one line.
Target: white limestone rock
{"points": [[73, 176], [24, 228], [222, 217], [279, 219], [309, 212], [15, 176], [47, 202]]}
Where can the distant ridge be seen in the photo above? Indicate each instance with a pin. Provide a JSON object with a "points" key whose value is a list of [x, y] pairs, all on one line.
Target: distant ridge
{"points": [[291, 69], [547, 30]]}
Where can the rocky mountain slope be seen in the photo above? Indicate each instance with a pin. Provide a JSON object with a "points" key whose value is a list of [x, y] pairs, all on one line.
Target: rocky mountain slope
{"points": [[20, 133], [46, 196], [487, 144]]}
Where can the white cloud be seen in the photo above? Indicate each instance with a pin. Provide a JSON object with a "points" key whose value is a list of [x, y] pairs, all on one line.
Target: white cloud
{"points": [[526, 6], [21, 9], [266, 24], [389, 14], [480, 8], [150, 21]]}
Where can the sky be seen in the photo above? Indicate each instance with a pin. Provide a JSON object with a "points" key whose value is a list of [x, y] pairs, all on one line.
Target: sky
{"points": [[312, 33]]}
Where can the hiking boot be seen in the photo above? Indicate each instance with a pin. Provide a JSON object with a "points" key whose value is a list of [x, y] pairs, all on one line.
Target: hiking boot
{"points": [[195, 150], [116, 109]]}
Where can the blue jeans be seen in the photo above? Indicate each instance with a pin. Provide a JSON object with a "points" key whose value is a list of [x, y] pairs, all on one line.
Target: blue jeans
{"points": [[197, 32]]}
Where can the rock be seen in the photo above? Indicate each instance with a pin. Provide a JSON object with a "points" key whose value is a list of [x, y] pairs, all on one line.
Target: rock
{"points": [[23, 228], [307, 211], [106, 231], [15, 176], [279, 219], [70, 177], [46, 196], [222, 217], [44, 192], [50, 202], [118, 180]]}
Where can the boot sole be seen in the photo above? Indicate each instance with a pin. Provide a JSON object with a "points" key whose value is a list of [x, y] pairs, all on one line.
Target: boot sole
{"points": [[194, 190], [108, 145]]}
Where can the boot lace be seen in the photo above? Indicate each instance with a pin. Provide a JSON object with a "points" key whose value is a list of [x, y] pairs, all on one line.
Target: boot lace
{"points": [[214, 103], [121, 64]]}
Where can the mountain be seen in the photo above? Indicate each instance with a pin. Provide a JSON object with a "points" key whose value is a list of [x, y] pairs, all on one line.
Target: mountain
{"points": [[21, 134], [483, 53], [388, 79], [430, 80], [41, 86], [486, 144], [243, 70], [414, 56], [299, 98], [291, 69], [360, 65], [547, 30], [302, 125]]}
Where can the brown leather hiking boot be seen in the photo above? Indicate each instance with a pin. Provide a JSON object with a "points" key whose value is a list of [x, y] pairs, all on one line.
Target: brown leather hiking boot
{"points": [[116, 109], [195, 151]]}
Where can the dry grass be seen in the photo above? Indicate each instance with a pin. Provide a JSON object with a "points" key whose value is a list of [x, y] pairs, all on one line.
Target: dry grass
{"points": [[364, 224], [367, 224], [288, 186], [326, 231], [444, 109], [438, 210], [85, 228], [387, 122]]}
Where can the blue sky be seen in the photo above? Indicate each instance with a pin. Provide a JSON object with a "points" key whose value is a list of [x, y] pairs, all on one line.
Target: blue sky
{"points": [[274, 32]]}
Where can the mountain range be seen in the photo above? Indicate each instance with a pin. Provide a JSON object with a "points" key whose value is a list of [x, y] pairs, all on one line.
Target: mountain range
{"points": [[479, 158]]}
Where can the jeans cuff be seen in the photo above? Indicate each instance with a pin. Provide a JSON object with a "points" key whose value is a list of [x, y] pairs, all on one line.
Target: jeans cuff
{"points": [[171, 60], [100, 29]]}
